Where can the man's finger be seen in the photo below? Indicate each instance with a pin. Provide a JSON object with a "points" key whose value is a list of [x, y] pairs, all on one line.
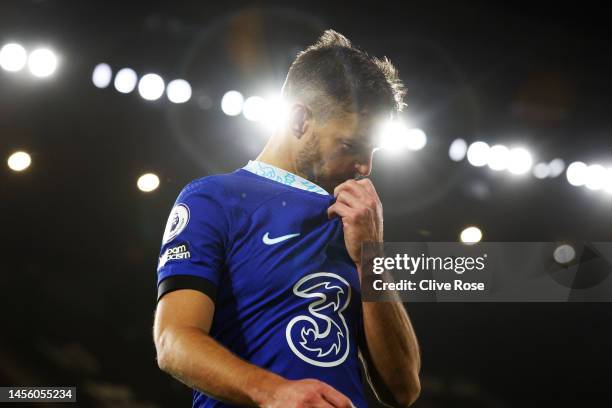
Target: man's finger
{"points": [[336, 398], [369, 186], [319, 403], [350, 185], [339, 188], [349, 198], [366, 200], [339, 209]]}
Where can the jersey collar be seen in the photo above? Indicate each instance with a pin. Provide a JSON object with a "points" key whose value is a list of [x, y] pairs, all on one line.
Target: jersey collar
{"points": [[282, 176]]}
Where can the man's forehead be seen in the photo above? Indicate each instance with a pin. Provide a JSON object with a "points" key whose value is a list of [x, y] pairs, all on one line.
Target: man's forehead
{"points": [[361, 128], [366, 129]]}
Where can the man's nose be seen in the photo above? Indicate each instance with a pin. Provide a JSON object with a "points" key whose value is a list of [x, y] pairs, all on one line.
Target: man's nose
{"points": [[364, 167]]}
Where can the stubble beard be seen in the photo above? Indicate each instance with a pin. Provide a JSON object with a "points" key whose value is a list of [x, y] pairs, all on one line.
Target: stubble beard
{"points": [[309, 163]]}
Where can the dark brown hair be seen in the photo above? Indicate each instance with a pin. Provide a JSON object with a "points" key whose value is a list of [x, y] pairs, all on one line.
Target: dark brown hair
{"points": [[332, 74]]}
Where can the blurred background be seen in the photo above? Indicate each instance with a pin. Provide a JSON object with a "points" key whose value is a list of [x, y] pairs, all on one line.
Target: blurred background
{"points": [[507, 130]]}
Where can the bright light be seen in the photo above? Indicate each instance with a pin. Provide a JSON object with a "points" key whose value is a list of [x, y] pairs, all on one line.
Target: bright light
{"points": [[608, 183], [232, 102], [396, 136], [102, 75], [577, 174], [148, 182], [19, 161], [13, 57], [457, 150], [478, 154], [499, 155], [178, 91], [556, 167], [471, 235], [151, 87], [541, 170], [596, 177], [416, 139], [393, 136], [125, 80], [564, 254], [42, 62], [254, 108], [276, 113], [520, 161]]}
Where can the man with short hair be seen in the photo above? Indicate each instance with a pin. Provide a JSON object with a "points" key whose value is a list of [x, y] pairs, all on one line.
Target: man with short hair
{"points": [[259, 273]]}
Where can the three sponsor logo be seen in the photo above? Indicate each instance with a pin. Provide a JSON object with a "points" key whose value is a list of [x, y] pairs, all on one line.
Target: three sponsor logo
{"points": [[320, 336]]}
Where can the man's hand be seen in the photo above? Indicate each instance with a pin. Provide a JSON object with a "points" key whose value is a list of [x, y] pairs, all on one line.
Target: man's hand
{"points": [[358, 205], [307, 393]]}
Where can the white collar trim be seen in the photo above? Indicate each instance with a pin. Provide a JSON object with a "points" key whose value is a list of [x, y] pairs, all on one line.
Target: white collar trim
{"points": [[282, 176]]}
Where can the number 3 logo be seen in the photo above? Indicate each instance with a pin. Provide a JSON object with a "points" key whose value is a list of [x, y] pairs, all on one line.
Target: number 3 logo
{"points": [[321, 337]]}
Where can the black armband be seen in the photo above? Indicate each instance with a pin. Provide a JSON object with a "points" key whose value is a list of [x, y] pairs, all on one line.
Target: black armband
{"points": [[177, 282]]}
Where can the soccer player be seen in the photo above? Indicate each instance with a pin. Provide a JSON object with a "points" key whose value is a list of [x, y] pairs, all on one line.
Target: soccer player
{"points": [[259, 272]]}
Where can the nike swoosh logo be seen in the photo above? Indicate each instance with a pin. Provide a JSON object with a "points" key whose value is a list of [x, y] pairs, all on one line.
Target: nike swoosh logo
{"points": [[271, 241]]}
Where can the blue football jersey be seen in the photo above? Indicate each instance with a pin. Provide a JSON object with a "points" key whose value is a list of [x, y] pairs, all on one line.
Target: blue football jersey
{"points": [[258, 241]]}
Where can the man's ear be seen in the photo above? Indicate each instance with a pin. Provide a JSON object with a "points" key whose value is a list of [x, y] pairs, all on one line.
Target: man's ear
{"points": [[300, 118]]}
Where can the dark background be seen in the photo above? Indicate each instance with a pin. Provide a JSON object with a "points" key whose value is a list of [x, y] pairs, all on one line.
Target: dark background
{"points": [[80, 241]]}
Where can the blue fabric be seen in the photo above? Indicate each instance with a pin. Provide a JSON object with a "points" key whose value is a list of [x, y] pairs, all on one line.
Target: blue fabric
{"points": [[288, 296]]}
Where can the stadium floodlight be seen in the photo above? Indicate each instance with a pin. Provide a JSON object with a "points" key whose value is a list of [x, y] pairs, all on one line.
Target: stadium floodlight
{"points": [[254, 108], [556, 167], [276, 112], [19, 161], [178, 91], [416, 139], [392, 136], [42, 62], [498, 158], [457, 150], [151, 87], [231, 103], [478, 154], [471, 235], [576, 174], [102, 75], [520, 161], [395, 136], [13, 57], [541, 170], [608, 184], [596, 177], [125, 80], [148, 182]]}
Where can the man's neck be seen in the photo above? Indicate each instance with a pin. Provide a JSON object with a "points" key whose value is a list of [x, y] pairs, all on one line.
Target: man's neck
{"points": [[278, 154]]}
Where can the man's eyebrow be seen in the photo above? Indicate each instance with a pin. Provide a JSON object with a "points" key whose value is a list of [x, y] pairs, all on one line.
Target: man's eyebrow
{"points": [[361, 141], [369, 141]]}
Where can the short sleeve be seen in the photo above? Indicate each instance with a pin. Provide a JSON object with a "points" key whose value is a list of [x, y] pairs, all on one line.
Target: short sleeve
{"points": [[193, 247]]}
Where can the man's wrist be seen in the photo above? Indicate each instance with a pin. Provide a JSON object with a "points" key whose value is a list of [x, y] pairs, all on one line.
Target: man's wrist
{"points": [[261, 386], [371, 250]]}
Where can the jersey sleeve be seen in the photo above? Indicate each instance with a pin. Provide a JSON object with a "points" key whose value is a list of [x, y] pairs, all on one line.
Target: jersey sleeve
{"points": [[193, 247]]}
